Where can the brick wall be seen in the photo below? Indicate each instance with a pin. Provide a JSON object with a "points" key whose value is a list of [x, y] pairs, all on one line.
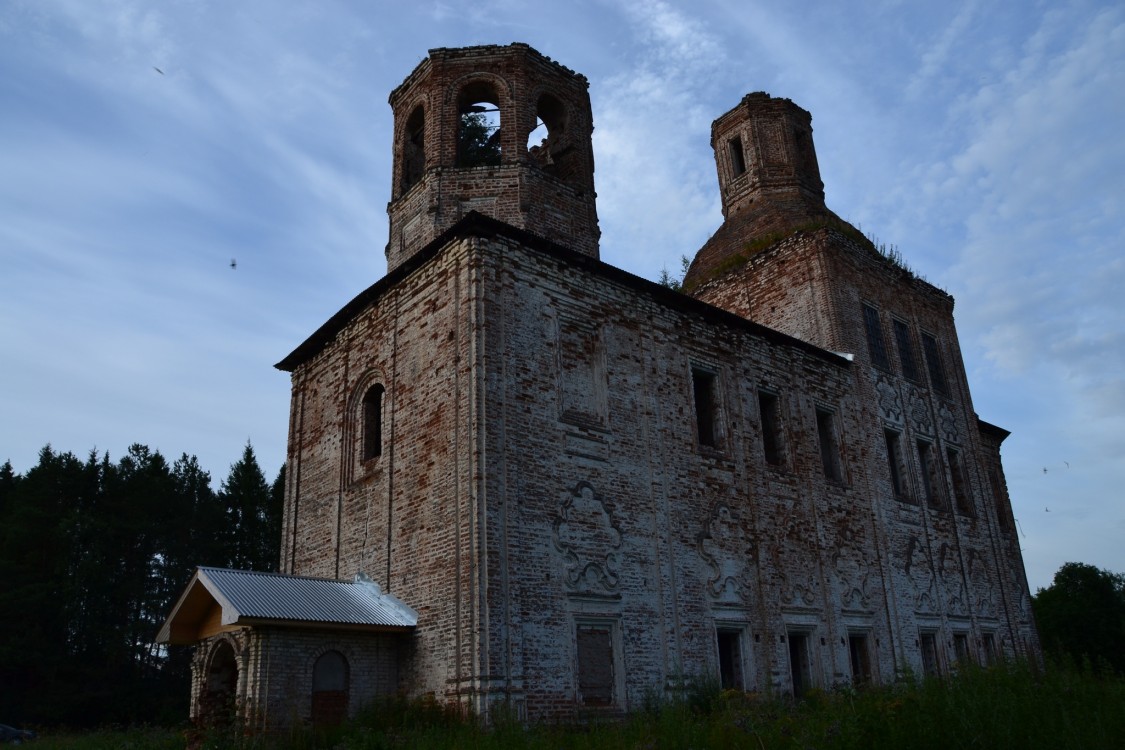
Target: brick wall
{"points": [[517, 511], [275, 672]]}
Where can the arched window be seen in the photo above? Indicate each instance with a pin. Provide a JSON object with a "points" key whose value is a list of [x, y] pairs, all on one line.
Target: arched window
{"points": [[478, 133], [372, 420], [414, 148], [330, 689]]}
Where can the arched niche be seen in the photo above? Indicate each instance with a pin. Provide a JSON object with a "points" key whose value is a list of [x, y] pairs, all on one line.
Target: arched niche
{"points": [[330, 682]]}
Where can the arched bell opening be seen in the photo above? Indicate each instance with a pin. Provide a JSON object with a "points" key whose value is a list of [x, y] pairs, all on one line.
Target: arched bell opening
{"points": [[478, 126], [549, 144], [413, 148]]}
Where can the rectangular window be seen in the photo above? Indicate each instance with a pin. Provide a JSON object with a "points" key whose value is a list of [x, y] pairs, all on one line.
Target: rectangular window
{"points": [[730, 659], [829, 448], [860, 659], [906, 356], [934, 364], [930, 665], [595, 664], [799, 672], [961, 648], [988, 648], [896, 464], [703, 388], [876, 344], [961, 497], [737, 158], [931, 484], [773, 446]]}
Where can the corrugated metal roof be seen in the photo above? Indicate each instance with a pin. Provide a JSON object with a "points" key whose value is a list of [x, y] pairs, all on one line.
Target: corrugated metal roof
{"points": [[274, 596]]}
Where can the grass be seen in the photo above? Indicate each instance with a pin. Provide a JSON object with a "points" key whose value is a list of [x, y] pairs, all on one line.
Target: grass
{"points": [[1009, 706]]}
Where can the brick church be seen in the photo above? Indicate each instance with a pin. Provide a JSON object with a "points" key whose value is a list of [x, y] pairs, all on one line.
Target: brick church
{"points": [[521, 477]]}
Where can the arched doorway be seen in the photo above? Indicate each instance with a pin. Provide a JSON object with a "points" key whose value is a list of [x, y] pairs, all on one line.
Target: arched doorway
{"points": [[330, 689], [220, 687]]}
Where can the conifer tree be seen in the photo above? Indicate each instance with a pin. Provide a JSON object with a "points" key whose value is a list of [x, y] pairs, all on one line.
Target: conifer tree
{"points": [[245, 495]]}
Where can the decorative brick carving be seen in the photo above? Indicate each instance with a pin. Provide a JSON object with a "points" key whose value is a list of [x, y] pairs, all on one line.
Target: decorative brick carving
{"points": [[890, 403], [852, 573], [728, 549], [588, 540], [948, 423], [920, 573], [920, 413], [956, 597], [984, 591]]}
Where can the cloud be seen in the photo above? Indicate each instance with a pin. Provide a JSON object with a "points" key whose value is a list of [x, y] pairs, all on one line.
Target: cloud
{"points": [[655, 178]]}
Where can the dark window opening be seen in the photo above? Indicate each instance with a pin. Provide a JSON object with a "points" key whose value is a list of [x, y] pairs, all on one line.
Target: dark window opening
{"points": [[934, 364], [414, 149], [876, 344], [595, 665], [961, 498], [373, 422], [478, 132], [829, 449], [730, 659], [906, 357], [330, 690], [773, 446], [961, 648], [737, 156], [799, 671], [860, 659], [895, 463], [930, 665], [931, 487], [703, 390], [988, 648]]}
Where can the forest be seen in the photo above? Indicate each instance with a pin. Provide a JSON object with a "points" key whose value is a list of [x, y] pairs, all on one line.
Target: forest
{"points": [[93, 554]]}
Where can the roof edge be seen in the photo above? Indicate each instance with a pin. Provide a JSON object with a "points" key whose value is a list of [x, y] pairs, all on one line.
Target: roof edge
{"points": [[475, 224]]}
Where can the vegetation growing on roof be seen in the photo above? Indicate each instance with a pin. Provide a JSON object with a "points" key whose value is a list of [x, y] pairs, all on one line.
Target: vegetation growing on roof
{"points": [[675, 283], [888, 254]]}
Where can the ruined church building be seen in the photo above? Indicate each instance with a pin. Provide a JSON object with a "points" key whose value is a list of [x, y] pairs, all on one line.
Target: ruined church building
{"points": [[521, 477]]}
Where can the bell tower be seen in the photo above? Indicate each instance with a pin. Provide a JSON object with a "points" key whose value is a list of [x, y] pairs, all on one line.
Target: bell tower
{"points": [[501, 130], [764, 151], [769, 180]]}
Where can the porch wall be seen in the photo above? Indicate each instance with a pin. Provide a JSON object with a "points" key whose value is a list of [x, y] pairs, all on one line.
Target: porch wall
{"points": [[275, 672]]}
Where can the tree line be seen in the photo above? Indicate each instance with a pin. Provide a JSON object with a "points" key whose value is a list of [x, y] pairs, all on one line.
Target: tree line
{"points": [[93, 555], [1081, 616]]}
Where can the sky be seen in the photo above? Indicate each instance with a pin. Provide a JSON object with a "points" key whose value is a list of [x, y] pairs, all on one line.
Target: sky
{"points": [[146, 145]]}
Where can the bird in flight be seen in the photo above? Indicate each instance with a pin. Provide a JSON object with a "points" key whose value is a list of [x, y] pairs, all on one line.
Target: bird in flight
{"points": [[158, 70], [233, 264]]}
